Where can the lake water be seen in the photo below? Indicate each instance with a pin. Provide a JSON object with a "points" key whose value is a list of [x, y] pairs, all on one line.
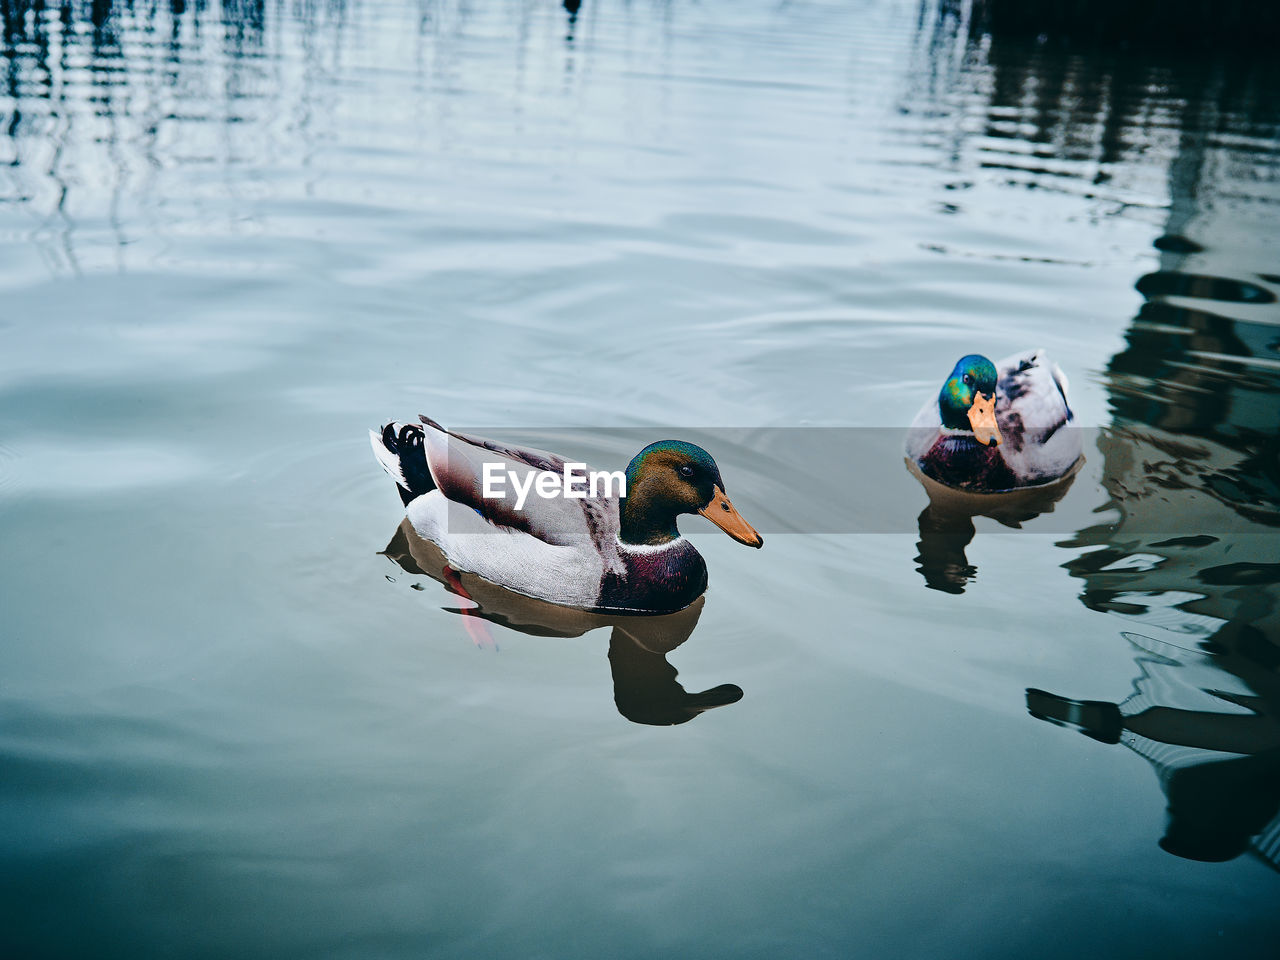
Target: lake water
{"points": [[235, 236]]}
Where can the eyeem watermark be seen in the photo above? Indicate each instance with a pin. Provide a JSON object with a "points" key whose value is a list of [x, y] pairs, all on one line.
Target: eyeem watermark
{"points": [[575, 483], [855, 480]]}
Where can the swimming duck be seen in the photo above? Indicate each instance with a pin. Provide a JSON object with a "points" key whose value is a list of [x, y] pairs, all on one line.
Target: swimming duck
{"points": [[997, 427], [597, 552]]}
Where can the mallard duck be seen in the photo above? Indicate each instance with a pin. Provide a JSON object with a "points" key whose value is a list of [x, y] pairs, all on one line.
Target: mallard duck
{"points": [[997, 427], [597, 552]]}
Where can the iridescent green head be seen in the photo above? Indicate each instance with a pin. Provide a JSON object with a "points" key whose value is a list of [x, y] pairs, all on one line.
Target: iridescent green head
{"points": [[672, 477], [972, 375]]}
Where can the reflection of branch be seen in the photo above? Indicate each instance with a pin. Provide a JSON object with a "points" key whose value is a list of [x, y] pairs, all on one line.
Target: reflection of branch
{"points": [[1220, 771], [1216, 805], [1223, 732]]}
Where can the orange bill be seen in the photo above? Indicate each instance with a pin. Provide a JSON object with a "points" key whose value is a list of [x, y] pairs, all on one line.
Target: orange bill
{"points": [[982, 417], [725, 516]]}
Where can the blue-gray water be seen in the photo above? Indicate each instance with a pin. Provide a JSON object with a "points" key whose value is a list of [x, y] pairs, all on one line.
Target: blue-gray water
{"points": [[235, 236]]}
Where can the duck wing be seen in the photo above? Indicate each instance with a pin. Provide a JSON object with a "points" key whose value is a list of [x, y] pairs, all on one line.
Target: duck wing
{"points": [[457, 464], [1034, 416], [1031, 396]]}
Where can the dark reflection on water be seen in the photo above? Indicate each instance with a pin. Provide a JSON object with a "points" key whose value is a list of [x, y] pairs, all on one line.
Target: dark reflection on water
{"points": [[215, 730], [44, 41], [645, 688], [571, 8], [946, 524], [1194, 394], [1061, 118], [1185, 24]]}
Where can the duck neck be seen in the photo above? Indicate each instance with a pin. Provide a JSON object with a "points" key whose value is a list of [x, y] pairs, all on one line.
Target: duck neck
{"points": [[644, 521], [953, 417]]}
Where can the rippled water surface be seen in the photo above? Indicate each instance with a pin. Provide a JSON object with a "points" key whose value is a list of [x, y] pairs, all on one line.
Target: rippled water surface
{"points": [[239, 717]]}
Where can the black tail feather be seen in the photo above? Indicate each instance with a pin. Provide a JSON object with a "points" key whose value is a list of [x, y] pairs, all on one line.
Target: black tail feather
{"points": [[409, 448]]}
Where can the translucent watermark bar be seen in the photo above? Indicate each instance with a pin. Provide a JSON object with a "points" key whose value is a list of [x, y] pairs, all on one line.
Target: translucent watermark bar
{"points": [[845, 480]]}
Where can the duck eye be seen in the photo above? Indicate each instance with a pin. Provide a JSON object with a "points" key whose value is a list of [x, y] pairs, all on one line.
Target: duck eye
{"points": [[968, 378], [686, 470]]}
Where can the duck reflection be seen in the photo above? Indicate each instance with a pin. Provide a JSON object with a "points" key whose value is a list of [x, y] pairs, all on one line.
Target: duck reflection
{"points": [[946, 524], [645, 688]]}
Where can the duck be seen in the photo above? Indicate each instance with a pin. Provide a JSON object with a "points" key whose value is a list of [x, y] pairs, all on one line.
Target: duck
{"points": [[594, 550], [997, 427]]}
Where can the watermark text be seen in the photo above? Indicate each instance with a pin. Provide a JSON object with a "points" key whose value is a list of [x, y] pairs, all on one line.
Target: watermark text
{"points": [[576, 482]]}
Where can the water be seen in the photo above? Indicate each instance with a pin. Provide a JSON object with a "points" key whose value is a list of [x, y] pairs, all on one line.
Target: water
{"points": [[233, 237]]}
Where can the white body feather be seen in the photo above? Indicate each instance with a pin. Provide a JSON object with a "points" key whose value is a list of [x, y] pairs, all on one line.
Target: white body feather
{"points": [[562, 573]]}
